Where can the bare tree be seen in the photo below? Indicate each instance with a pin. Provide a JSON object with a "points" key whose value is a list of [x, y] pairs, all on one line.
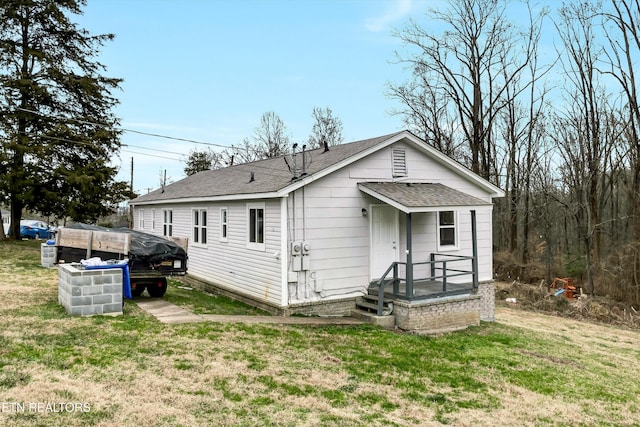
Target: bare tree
{"points": [[462, 68], [327, 129], [270, 139], [624, 47]]}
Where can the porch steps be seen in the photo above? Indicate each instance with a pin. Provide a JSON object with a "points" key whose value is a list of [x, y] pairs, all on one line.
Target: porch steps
{"points": [[367, 309]]}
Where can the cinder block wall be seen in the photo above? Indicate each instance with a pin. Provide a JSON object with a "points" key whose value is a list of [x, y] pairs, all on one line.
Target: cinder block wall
{"points": [[48, 255], [90, 292]]}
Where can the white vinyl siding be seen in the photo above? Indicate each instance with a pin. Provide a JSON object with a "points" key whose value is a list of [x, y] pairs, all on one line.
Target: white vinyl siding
{"points": [[235, 266]]}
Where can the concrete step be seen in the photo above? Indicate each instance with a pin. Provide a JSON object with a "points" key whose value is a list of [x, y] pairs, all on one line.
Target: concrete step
{"points": [[387, 322]]}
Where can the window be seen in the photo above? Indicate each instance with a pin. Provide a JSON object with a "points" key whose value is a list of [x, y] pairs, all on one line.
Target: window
{"points": [[200, 226], [256, 226], [223, 224], [153, 219], [167, 223], [399, 163], [141, 219], [447, 228]]}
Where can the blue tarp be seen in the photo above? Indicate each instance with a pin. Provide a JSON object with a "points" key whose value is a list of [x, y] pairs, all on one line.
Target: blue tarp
{"points": [[126, 279]]}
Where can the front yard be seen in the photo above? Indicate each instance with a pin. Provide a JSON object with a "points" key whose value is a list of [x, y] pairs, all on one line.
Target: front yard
{"points": [[525, 369]]}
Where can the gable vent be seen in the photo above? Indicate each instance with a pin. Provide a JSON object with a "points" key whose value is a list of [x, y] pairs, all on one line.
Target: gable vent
{"points": [[399, 160]]}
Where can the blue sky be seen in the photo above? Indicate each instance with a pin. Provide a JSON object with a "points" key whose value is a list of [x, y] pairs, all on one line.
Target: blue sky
{"points": [[207, 70]]}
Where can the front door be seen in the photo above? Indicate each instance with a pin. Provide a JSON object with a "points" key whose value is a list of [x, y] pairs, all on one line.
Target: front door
{"points": [[384, 239]]}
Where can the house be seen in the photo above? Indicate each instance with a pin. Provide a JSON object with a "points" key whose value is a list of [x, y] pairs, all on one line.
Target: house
{"points": [[319, 231]]}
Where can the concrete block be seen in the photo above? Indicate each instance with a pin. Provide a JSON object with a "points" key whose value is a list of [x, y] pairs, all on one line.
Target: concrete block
{"points": [[81, 281], [103, 299], [92, 290], [78, 301], [112, 308], [76, 291], [103, 279], [117, 298], [112, 289]]}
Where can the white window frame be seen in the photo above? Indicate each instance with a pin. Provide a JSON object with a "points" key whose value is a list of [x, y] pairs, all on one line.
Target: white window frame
{"points": [[167, 222], [259, 246], [224, 224], [153, 219], [198, 229], [141, 219], [454, 226]]}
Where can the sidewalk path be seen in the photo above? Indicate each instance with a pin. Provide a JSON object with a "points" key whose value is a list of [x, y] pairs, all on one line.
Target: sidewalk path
{"points": [[167, 312]]}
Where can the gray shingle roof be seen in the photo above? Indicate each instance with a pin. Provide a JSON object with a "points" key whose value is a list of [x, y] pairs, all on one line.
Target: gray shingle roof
{"points": [[269, 175], [419, 195]]}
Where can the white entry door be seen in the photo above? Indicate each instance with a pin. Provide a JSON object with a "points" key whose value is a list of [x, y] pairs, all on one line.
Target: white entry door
{"points": [[384, 239]]}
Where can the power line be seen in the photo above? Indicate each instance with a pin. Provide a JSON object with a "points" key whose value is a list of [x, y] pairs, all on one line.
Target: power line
{"points": [[126, 130], [151, 155]]}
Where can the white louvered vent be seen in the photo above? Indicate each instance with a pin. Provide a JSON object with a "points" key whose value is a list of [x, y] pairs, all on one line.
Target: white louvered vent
{"points": [[399, 159]]}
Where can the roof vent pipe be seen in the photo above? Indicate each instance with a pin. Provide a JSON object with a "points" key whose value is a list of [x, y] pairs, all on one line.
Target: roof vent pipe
{"points": [[252, 177], [326, 146], [304, 161], [295, 166]]}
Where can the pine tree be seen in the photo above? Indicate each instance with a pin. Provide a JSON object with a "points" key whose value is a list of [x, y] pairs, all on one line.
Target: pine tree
{"points": [[57, 127]]}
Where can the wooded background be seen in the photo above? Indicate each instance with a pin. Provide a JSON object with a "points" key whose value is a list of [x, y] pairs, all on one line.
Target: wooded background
{"points": [[541, 101]]}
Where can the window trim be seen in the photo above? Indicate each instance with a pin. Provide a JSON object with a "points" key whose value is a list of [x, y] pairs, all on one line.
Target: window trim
{"points": [[256, 245], [455, 226], [153, 219], [224, 224], [141, 219], [167, 223], [198, 230]]}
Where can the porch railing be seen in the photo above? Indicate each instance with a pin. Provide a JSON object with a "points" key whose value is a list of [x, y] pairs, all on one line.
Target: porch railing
{"points": [[439, 268]]}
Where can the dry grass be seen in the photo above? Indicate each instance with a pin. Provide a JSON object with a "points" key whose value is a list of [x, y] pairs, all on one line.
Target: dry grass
{"points": [[526, 369]]}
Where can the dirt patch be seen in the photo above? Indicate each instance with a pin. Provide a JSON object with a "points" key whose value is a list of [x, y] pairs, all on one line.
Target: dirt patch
{"points": [[540, 298]]}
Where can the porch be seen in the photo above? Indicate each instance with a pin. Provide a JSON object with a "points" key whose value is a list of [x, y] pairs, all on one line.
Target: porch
{"points": [[416, 287]]}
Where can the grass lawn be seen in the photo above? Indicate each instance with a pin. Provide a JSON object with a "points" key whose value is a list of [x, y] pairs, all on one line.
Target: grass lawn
{"points": [[532, 370]]}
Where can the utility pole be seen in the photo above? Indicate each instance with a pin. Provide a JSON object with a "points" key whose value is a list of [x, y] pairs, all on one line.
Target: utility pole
{"points": [[131, 210]]}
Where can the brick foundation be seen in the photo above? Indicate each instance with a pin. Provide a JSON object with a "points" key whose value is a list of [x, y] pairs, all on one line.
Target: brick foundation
{"points": [[438, 315], [486, 291], [90, 292]]}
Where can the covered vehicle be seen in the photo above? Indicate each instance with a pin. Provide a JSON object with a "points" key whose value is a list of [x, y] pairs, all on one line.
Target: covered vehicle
{"points": [[33, 229], [151, 258]]}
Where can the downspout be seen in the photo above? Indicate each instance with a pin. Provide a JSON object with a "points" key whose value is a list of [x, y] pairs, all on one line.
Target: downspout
{"points": [[284, 251]]}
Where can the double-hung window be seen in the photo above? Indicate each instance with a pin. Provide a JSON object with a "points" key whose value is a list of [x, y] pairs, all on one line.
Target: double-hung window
{"points": [[256, 219], [447, 229], [141, 219], [199, 235], [224, 224], [167, 222]]}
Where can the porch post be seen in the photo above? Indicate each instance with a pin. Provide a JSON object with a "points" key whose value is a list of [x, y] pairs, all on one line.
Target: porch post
{"points": [[409, 287], [474, 241]]}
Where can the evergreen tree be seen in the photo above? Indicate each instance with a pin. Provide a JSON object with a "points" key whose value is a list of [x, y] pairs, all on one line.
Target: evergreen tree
{"points": [[56, 123]]}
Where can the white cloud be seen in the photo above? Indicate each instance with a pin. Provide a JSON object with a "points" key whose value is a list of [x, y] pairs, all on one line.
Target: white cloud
{"points": [[397, 10]]}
